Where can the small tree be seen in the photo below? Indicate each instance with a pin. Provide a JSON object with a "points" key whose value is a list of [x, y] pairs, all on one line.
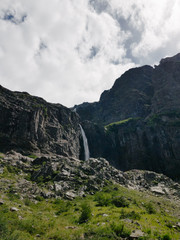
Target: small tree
{"points": [[85, 213]]}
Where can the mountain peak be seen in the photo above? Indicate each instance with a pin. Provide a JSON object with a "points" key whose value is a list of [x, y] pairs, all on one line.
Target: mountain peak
{"points": [[175, 58]]}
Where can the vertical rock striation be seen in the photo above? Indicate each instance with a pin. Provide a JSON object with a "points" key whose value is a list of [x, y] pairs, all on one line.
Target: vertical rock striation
{"points": [[30, 124]]}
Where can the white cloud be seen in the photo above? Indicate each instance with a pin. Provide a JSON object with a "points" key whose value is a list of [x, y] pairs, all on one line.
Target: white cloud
{"points": [[69, 52]]}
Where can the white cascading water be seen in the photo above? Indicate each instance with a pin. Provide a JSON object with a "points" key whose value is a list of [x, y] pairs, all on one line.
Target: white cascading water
{"points": [[85, 144]]}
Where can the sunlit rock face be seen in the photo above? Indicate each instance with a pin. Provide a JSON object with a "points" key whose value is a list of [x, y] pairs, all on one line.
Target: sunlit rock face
{"points": [[30, 124], [141, 113]]}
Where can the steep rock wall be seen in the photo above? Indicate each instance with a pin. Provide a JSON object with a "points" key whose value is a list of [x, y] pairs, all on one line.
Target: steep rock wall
{"points": [[30, 124]]}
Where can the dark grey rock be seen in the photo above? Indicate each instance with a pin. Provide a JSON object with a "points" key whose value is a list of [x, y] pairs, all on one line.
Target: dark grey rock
{"points": [[29, 124], [148, 99]]}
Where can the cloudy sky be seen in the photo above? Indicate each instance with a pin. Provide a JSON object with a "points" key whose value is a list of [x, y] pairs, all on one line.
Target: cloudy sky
{"points": [[69, 51]]}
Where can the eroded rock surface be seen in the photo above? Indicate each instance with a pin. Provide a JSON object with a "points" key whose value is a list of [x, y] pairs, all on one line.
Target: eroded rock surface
{"points": [[30, 124], [58, 176]]}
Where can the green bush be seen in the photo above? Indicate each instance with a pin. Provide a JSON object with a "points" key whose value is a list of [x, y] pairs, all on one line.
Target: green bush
{"points": [[28, 225], [120, 230], [166, 237], [132, 215], [62, 206], [39, 198], [85, 213], [103, 199], [150, 208], [3, 226], [120, 202], [27, 202]]}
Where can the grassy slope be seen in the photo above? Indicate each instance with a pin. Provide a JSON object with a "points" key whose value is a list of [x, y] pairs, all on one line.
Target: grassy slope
{"points": [[59, 220]]}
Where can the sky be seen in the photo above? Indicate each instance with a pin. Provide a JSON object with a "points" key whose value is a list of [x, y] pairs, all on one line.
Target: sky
{"points": [[70, 51]]}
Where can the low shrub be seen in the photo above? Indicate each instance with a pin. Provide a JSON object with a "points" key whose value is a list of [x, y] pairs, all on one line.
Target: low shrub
{"points": [[62, 206], [103, 199], [120, 230], [166, 237], [132, 215], [39, 198], [85, 213], [120, 202], [27, 202], [3, 226], [150, 208]]}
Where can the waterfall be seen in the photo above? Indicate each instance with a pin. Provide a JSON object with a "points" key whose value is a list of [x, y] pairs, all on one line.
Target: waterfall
{"points": [[85, 144]]}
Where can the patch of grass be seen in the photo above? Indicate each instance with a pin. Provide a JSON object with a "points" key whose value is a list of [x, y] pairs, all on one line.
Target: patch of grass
{"points": [[118, 123], [112, 126], [70, 220], [62, 206], [12, 169], [32, 156], [132, 215], [120, 230]]}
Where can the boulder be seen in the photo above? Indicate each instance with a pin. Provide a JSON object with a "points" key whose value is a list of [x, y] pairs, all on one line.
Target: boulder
{"points": [[136, 234], [14, 209]]}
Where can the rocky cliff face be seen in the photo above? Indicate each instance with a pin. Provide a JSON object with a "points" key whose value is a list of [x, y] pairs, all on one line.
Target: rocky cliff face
{"points": [[32, 125], [136, 123], [130, 96], [139, 92]]}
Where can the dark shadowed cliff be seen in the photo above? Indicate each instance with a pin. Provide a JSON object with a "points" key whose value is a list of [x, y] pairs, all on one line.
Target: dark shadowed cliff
{"points": [[136, 124]]}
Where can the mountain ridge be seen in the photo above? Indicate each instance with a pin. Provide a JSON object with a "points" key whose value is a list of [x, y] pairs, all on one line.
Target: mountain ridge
{"points": [[142, 113], [144, 83], [135, 125]]}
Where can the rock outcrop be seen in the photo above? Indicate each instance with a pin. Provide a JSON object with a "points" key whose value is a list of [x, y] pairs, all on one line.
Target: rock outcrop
{"points": [[31, 125], [58, 176], [136, 124]]}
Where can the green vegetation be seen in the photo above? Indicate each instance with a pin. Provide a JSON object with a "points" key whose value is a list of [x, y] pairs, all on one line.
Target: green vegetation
{"points": [[119, 122], [112, 213], [171, 118], [85, 213], [150, 208], [32, 156], [120, 230], [131, 215], [120, 201], [41, 106], [111, 127]]}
